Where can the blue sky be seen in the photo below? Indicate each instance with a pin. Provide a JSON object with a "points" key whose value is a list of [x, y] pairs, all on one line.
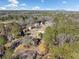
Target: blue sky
{"points": [[39, 5]]}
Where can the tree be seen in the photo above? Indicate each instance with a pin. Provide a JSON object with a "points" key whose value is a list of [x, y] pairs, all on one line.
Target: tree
{"points": [[15, 29], [2, 40]]}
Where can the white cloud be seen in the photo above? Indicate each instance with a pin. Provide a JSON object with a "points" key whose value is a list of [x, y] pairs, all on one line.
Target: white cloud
{"points": [[2, 8], [71, 9], [64, 2], [36, 8], [13, 1], [48, 9], [11, 5], [39, 8], [23, 4], [42, 0]]}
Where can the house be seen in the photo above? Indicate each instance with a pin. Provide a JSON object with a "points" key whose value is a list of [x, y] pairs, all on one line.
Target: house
{"points": [[36, 41], [9, 38], [2, 51]]}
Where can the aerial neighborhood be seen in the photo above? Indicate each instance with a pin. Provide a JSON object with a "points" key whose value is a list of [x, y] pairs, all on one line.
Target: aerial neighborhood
{"points": [[40, 35]]}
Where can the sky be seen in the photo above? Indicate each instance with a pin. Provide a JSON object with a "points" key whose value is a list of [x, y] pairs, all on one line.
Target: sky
{"points": [[70, 5]]}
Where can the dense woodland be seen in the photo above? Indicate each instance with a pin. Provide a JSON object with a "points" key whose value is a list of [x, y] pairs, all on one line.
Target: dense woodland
{"points": [[39, 35]]}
